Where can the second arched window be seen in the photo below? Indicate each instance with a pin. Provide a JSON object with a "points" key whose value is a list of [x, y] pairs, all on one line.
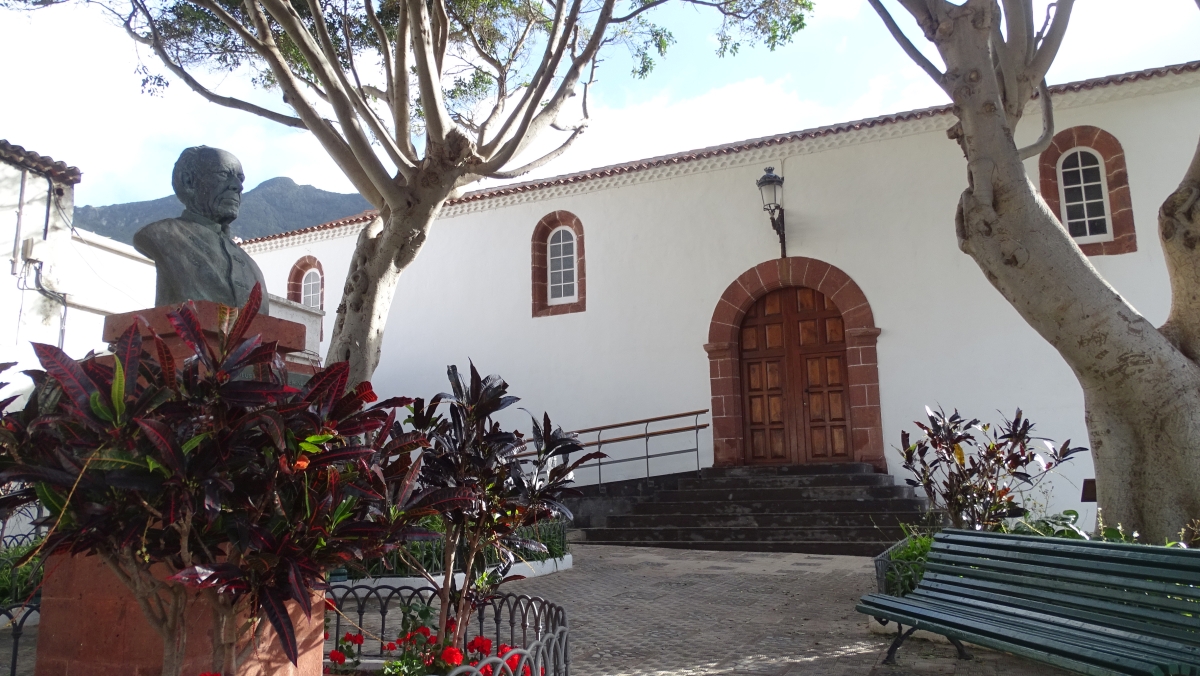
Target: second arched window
{"points": [[1084, 195], [561, 273]]}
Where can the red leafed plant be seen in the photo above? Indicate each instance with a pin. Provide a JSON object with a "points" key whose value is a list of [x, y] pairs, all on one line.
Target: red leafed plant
{"points": [[213, 476]]}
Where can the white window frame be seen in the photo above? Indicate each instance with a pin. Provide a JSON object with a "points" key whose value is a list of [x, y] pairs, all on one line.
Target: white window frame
{"points": [[1062, 196], [573, 298], [304, 286]]}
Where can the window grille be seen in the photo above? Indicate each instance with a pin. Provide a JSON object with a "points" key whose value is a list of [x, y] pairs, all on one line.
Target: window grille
{"points": [[562, 266], [1084, 194]]}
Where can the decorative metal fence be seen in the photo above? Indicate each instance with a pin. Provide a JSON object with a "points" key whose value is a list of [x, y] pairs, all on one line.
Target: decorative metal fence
{"points": [[536, 628], [16, 618], [896, 577], [20, 604]]}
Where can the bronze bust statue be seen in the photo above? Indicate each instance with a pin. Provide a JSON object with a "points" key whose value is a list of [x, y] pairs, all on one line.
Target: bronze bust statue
{"points": [[195, 255]]}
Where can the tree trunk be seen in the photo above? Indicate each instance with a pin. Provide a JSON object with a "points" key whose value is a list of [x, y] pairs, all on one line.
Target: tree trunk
{"points": [[385, 248], [1142, 393]]}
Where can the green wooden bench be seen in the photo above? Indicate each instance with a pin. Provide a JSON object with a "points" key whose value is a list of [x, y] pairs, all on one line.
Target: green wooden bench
{"points": [[1091, 607]]}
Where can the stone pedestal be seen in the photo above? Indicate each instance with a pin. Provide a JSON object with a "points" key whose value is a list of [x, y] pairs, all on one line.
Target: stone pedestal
{"points": [[289, 335], [91, 625]]}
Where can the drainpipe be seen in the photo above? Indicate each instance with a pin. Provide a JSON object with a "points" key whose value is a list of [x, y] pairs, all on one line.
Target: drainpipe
{"points": [[16, 256], [37, 268]]}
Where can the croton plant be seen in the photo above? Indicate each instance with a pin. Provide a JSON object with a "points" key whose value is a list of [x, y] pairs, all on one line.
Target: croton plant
{"points": [[211, 475]]}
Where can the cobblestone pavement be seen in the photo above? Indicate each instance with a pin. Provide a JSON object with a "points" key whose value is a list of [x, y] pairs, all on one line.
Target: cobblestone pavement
{"points": [[637, 611]]}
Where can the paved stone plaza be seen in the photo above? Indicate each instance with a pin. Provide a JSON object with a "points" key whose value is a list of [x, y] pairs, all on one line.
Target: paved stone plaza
{"points": [[650, 612]]}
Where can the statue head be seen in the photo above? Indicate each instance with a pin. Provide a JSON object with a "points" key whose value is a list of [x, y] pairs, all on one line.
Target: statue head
{"points": [[209, 183]]}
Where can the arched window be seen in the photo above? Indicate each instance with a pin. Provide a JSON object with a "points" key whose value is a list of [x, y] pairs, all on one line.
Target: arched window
{"points": [[559, 266], [562, 266], [310, 291], [1084, 196], [1086, 185], [306, 283]]}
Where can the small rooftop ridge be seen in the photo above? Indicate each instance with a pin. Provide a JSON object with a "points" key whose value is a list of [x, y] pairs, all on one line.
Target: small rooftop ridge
{"points": [[46, 166]]}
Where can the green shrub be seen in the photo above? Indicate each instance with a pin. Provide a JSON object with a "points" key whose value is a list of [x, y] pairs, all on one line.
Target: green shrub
{"points": [[19, 582]]}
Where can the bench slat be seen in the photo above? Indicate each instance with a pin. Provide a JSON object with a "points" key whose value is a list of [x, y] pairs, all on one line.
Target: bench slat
{"points": [[1132, 618], [1083, 569], [988, 635], [1067, 629], [1167, 556], [1141, 598], [964, 564]]}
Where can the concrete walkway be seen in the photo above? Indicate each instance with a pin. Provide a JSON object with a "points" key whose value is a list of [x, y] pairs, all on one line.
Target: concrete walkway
{"points": [[650, 612]]}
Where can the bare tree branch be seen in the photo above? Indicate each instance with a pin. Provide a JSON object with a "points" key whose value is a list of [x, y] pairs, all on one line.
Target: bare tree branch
{"points": [[1047, 136], [1051, 41], [551, 57], [155, 42], [541, 161], [649, 6], [401, 110], [437, 121], [907, 45], [329, 137], [341, 98]]}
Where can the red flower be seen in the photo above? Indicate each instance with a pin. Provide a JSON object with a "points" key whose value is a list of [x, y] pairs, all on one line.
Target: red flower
{"points": [[357, 639], [451, 625], [211, 673], [480, 644], [337, 657], [390, 646], [452, 656], [424, 631], [330, 606], [326, 638]]}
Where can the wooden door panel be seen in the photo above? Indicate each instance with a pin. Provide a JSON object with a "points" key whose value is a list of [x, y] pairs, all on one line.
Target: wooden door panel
{"points": [[793, 355]]}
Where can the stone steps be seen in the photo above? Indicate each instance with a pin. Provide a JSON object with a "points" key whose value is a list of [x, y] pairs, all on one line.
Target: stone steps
{"points": [[831, 548], [796, 493], [786, 481], [889, 520], [843, 508], [899, 505]]}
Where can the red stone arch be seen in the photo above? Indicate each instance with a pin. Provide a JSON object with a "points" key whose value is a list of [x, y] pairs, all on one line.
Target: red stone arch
{"points": [[861, 335], [1120, 203]]}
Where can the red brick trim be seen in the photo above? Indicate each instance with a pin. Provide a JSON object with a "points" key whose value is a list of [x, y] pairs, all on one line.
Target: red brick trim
{"points": [[1119, 202], [725, 368], [541, 234], [295, 285]]}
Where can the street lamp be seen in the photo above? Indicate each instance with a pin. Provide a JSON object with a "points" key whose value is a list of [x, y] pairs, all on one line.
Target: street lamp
{"points": [[771, 187]]}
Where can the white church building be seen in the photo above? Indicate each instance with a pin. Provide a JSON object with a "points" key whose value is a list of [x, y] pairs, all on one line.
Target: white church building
{"points": [[656, 287]]}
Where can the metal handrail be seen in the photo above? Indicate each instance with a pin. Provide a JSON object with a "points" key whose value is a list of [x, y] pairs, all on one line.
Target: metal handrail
{"points": [[646, 434], [631, 423]]}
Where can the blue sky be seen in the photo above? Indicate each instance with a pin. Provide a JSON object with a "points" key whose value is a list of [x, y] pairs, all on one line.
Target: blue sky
{"points": [[72, 73]]}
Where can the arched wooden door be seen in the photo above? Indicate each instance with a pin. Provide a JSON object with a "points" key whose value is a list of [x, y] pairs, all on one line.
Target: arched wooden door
{"points": [[794, 392]]}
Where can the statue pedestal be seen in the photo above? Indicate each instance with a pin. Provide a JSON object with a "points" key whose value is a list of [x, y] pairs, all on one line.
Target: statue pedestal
{"points": [[289, 335], [92, 624]]}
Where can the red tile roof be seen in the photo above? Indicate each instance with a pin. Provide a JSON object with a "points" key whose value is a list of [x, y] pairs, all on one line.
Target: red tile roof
{"points": [[743, 146], [58, 171]]}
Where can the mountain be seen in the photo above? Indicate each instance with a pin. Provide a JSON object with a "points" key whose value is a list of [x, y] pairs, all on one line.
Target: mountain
{"points": [[276, 205]]}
